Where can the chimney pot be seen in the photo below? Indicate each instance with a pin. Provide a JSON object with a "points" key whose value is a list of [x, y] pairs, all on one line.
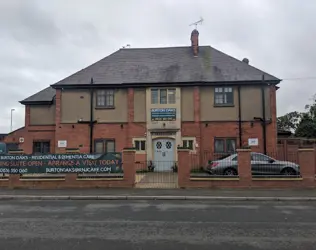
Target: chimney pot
{"points": [[195, 42], [245, 60]]}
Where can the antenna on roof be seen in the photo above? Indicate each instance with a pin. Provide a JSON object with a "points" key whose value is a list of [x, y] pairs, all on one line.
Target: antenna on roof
{"points": [[198, 22], [126, 46]]}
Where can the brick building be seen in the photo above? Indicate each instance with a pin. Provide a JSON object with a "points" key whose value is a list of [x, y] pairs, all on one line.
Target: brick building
{"points": [[155, 99]]}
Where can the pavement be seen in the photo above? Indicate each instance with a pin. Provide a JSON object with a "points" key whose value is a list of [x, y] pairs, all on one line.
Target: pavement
{"points": [[160, 194], [152, 224]]}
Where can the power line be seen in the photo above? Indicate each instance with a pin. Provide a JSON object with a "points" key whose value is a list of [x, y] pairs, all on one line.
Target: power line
{"points": [[299, 78]]}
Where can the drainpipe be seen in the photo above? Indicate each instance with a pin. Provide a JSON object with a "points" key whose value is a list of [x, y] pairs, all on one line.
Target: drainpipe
{"points": [[239, 118], [91, 117], [264, 129]]}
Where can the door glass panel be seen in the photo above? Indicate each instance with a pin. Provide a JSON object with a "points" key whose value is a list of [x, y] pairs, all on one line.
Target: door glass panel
{"points": [[158, 145]]}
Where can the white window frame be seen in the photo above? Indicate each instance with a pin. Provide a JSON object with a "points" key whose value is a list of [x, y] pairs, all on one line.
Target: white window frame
{"points": [[171, 94], [140, 140], [193, 150]]}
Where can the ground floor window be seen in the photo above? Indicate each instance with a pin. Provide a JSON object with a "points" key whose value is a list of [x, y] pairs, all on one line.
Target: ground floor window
{"points": [[102, 146], [224, 145], [41, 147], [139, 144], [188, 143]]}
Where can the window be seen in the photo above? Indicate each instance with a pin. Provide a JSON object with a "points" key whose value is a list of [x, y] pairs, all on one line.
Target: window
{"points": [[140, 145], [105, 98], [154, 96], [224, 145], [259, 157], [188, 144], [102, 146], [163, 96], [223, 96], [41, 147], [171, 96]]}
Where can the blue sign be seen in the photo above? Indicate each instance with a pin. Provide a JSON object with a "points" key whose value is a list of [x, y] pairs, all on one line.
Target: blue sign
{"points": [[164, 114]]}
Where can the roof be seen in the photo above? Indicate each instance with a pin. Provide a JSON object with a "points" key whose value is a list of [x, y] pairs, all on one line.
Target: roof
{"points": [[160, 65], [45, 96]]}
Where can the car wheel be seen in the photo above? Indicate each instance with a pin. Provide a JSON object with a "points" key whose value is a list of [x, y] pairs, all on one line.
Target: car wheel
{"points": [[288, 171], [230, 172]]}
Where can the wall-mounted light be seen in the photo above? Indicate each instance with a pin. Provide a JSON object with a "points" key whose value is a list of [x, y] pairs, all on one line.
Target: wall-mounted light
{"points": [[122, 126], [206, 124], [73, 126], [251, 124], [164, 124]]}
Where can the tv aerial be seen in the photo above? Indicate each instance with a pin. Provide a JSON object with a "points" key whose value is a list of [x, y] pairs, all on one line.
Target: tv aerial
{"points": [[197, 22]]}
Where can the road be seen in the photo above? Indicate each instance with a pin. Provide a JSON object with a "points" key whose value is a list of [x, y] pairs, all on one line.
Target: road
{"points": [[93, 225]]}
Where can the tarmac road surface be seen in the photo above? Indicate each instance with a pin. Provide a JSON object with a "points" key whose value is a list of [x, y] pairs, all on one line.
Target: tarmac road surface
{"points": [[93, 225]]}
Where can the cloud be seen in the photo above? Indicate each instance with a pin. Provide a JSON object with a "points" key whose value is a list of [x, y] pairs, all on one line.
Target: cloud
{"points": [[44, 41]]}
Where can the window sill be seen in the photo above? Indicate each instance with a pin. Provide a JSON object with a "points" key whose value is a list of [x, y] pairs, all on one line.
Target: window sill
{"points": [[104, 108], [140, 152], [223, 105]]}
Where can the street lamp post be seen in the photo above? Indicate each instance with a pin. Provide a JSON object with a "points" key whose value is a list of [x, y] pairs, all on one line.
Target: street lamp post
{"points": [[11, 118]]}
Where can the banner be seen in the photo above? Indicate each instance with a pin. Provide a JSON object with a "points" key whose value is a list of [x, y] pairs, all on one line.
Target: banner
{"points": [[61, 163]]}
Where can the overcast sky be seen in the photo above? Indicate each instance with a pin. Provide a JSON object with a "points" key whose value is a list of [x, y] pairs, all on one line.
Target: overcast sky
{"points": [[44, 41]]}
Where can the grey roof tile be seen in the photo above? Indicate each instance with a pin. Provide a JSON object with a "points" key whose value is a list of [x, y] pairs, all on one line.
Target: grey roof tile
{"points": [[45, 95], [161, 65]]}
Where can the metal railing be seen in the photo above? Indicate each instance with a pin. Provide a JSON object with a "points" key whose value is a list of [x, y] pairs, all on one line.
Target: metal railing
{"points": [[271, 166], [213, 165], [156, 174]]}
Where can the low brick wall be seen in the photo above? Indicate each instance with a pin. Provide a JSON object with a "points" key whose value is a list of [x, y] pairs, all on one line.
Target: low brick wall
{"points": [[245, 179], [127, 180]]}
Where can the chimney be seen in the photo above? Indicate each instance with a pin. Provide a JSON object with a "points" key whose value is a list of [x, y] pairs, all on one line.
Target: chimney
{"points": [[195, 42], [245, 60]]}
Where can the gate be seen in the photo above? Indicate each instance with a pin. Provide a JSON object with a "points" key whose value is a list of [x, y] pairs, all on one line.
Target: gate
{"points": [[162, 172], [154, 174]]}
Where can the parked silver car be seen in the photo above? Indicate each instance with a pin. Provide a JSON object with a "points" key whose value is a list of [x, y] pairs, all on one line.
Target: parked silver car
{"points": [[260, 165]]}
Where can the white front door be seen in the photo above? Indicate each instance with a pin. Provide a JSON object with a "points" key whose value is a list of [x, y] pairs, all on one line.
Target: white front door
{"points": [[163, 154]]}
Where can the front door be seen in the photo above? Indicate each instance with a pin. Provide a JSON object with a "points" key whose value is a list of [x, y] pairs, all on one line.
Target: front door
{"points": [[163, 154]]}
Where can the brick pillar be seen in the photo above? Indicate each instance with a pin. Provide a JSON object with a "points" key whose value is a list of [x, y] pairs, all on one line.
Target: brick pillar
{"points": [[306, 161], [129, 168], [14, 180], [130, 117], [71, 179], [184, 168], [197, 108], [57, 118], [244, 167]]}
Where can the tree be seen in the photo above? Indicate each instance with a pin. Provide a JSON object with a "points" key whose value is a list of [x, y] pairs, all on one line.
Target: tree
{"points": [[289, 121], [306, 127], [301, 124]]}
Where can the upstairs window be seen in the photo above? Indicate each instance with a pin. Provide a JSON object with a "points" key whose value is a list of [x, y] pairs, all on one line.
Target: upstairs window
{"points": [[41, 147], [105, 98], [223, 96], [163, 96]]}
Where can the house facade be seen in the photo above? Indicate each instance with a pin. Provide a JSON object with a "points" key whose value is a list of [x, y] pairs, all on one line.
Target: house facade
{"points": [[155, 99]]}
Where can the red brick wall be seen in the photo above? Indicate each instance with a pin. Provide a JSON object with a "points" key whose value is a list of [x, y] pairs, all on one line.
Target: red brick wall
{"points": [[205, 132], [78, 134]]}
